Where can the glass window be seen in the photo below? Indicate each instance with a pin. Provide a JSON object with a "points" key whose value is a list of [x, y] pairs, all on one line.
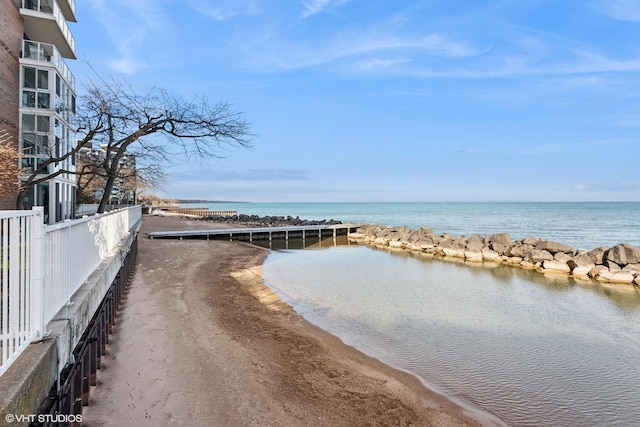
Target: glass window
{"points": [[28, 122], [27, 163], [57, 85], [46, 6], [73, 104], [44, 100], [43, 124], [58, 129], [28, 142], [43, 144], [28, 98], [43, 79], [29, 79]]}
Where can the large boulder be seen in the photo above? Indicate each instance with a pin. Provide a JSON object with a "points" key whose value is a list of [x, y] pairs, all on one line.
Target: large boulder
{"points": [[615, 277], [473, 256], [554, 266], [581, 260], [540, 255], [597, 254], [475, 244], [632, 268], [581, 272], [554, 247], [562, 257], [521, 251], [623, 254], [531, 240], [489, 255], [499, 242]]}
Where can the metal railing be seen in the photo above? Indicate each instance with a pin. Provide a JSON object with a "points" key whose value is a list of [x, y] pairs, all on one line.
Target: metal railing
{"points": [[50, 7], [43, 266], [46, 52]]}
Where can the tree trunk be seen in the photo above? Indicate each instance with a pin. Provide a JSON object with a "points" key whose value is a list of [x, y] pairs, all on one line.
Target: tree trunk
{"points": [[108, 188]]}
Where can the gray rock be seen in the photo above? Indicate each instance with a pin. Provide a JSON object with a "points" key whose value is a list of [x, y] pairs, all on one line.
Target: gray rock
{"points": [[521, 251], [473, 256], [581, 272], [554, 247], [555, 266], [531, 240], [499, 242], [632, 268], [581, 260], [615, 277], [623, 254], [597, 270], [562, 257], [540, 255], [612, 265], [597, 254], [490, 255]]}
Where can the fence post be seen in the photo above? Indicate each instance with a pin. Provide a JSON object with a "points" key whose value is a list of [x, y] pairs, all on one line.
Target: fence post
{"points": [[37, 273]]}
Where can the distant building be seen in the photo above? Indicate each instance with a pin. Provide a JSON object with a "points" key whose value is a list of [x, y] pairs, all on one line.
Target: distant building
{"points": [[38, 98], [124, 188]]}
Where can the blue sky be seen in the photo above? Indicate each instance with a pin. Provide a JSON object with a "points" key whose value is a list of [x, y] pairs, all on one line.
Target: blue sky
{"points": [[365, 100]]}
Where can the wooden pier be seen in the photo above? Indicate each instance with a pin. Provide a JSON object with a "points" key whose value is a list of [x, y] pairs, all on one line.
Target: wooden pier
{"points": [[303, 232]]}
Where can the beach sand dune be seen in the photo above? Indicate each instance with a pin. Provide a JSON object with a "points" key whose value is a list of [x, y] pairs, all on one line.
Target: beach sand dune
{"points": [[201, 341]]}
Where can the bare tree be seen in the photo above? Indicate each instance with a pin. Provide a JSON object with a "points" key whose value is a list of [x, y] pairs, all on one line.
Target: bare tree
{"points": [[155, 128]]}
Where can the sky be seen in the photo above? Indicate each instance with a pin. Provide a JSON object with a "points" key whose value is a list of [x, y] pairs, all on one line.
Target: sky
{"points": [[404, 100]]}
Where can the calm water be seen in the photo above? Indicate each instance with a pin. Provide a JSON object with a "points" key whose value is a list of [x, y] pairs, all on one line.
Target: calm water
{"points": [[531, 351], [581, 225]]}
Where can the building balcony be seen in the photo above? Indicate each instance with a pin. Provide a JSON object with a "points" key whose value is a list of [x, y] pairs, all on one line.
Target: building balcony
{"points": [[45, 21], [45, 52], [68, 9]]}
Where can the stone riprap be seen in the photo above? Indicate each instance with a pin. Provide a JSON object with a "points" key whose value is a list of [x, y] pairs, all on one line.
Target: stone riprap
{"points": [[617, 264], [268, 221]]}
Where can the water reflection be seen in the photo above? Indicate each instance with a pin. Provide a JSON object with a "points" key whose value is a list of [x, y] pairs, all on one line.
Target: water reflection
{"points": [[624, 296], [310, 242], [535, 350]]}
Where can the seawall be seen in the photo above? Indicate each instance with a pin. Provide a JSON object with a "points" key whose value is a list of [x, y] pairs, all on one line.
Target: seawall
{"points": [[617, 264]]}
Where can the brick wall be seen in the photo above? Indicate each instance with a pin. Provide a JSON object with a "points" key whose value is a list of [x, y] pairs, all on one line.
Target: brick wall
{"points": [[10, 40]]}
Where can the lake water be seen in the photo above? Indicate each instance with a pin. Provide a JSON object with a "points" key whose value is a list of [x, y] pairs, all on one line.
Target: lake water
{"points": [[581, 225], [531, 350]]}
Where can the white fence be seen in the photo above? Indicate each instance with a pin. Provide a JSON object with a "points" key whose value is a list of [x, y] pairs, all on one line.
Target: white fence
{"points": [[43, 266]]}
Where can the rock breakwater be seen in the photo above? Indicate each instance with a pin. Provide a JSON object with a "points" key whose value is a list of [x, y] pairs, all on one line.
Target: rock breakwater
{"points": [[616, 264], [267, 221]]}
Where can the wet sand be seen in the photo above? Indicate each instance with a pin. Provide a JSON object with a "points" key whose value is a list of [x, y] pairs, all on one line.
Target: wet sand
{"points": [[201, 341]]}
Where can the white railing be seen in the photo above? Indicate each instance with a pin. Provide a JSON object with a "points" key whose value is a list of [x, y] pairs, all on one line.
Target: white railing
{"points": [[20, 281], [46, 52], [74, 249], [43, 266], [51, 8]]}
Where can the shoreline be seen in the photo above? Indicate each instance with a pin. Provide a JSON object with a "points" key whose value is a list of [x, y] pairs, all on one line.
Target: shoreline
{"points": [[202, 340]]}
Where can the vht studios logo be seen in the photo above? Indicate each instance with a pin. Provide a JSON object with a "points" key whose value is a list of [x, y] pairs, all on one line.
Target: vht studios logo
{"points": [[43, 418]]}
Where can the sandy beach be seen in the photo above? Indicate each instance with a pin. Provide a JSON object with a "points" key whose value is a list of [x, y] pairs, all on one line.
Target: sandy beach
{"points": [[201, 341]]}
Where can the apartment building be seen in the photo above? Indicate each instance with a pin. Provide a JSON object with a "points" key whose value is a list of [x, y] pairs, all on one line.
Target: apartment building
{"points": [[38, 98]]}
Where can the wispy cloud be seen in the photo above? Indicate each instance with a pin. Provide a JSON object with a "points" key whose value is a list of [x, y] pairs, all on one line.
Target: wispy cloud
{"points": [[130, 26], [364, 51], [316, 6], [625, 10], [223, 10], [251, 175]]}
